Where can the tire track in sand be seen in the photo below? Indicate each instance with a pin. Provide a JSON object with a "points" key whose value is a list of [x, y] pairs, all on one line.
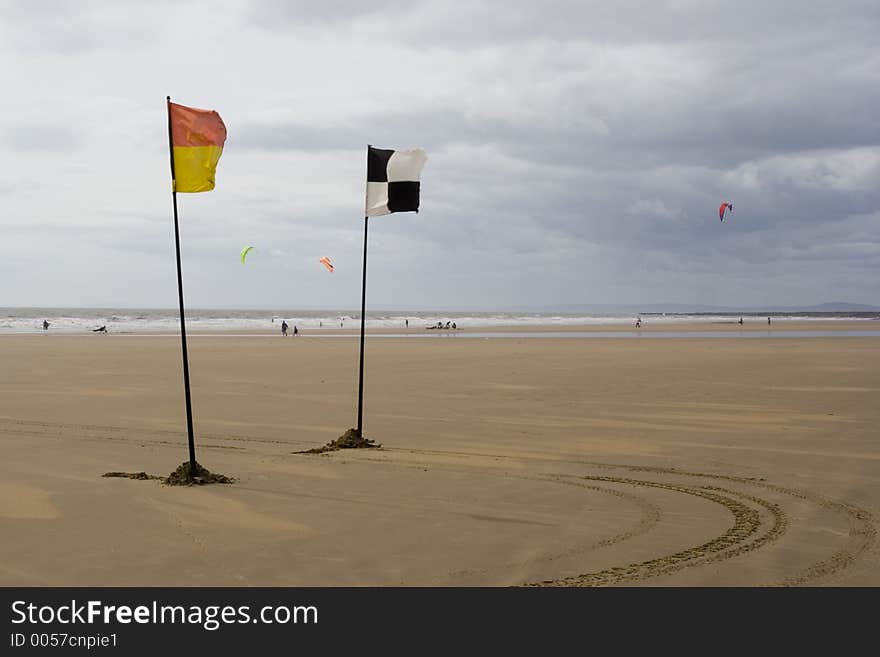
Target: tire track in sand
{"points": [[649, 517], [747, 522], [861, 537]]}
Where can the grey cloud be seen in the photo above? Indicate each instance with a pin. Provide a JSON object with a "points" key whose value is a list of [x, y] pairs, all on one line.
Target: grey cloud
{"points": [[40, 136], [716, 125], [592, 201], [477, 23], [391, 130], [72, 27], [275, 13]]}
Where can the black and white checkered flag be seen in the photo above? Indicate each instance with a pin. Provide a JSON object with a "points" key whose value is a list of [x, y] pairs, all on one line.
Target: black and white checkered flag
{"points": [[393, 180]]}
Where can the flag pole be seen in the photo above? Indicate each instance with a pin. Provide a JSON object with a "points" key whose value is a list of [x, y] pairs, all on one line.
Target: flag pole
{"points": [[363, 308], [189, 422], [363, 315]]}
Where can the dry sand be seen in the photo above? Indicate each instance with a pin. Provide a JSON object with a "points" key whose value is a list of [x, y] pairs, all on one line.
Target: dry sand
{"points": [[696, 461]]}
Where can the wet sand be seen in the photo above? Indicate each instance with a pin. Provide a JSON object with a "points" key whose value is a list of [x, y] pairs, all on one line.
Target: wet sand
{"points": [[686, 461], [648, 327]]}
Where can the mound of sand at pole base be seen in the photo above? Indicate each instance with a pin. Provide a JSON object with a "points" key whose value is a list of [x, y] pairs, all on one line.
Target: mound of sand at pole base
{"points": [[182, 476], [351, 439], [141, 476]]}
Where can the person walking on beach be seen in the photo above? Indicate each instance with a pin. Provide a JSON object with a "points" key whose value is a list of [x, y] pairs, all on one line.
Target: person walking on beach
{"points": [[407, 323], [740, 321], [284, 328], [45, 325], [768, 321], [295, 331]]}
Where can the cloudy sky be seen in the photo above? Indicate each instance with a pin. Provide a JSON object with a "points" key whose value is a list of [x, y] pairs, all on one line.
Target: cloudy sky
{"points": [[577, 152]]}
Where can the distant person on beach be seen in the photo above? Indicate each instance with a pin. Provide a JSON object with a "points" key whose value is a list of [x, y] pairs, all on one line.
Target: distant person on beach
{"points": [[638, 322], [295, 331], [768, 321], [45, 325], [100, 329], [284, 328], [740, 321], [454, 326], [407, 323]]}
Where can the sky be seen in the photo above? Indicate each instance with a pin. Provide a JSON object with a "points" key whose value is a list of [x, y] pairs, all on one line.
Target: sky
{"points": [[577, 152]]}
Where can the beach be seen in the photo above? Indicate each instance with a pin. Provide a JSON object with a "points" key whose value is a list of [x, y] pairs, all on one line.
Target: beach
{"points": [[693, 461]]}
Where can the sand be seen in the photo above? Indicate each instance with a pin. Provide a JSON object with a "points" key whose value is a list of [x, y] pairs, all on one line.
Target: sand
{"points": [[654, 462]]}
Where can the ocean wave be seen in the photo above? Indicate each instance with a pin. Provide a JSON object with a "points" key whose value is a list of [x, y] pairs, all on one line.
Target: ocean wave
{"points": [[78, 320]]}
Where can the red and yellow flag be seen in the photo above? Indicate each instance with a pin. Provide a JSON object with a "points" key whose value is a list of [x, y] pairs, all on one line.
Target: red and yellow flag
{"points": [[197, 138]]}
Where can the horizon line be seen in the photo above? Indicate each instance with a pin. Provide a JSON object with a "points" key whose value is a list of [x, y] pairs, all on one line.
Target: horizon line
{"points": [[562, 307]]}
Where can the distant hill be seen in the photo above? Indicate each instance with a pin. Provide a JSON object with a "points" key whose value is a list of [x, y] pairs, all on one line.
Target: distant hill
{"points": [[829, 307], [841, 307]]}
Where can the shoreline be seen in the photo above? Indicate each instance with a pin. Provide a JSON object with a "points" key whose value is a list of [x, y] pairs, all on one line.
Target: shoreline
{"points": [[834, 326], [785, 328]]}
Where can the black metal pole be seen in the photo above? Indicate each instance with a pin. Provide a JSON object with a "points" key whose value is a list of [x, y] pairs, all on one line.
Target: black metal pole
{"points": [[189, 421], [363, 314]]}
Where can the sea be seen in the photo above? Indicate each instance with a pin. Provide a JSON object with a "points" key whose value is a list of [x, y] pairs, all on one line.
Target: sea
{"points": [[167, 320]]}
